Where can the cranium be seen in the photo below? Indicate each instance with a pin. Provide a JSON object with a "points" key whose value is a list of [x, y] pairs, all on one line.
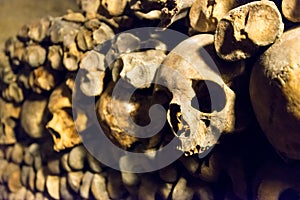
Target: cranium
{"points": [[185, 72], [61, 126], [137, 71]]}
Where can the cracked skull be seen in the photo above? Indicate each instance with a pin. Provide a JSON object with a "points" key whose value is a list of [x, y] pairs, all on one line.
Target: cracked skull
{"points": [[200, 106]]}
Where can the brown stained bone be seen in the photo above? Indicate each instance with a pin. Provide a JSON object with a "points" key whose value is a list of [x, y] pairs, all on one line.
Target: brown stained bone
{"points": [[54, 57], [168, 174], [291, 10], [71, 57], [92, 24], [25, 175], [62, 31], [130, 179], [4, 192], [52, 185], [34, 116], [74, 17], [148, 188], [60, 98], [15, 50], [174, 10], [243, 30], [31, 179], [7, 75], [137, 64], [165, 190], [64, 190], [222, 161], [28, 157], [43, 79], [14, 181], [17, 153], [40, 196], [182, 75], [29, 195], [191, 164], [3, 165], [139, 68], [98, 187], [86, 185], [2, 154], [115, 188], [63, 131], [36, 31], [120, 22], [94, 164], [61, 126], [274, 92], [37, 163], [9, 169], [84, 39], [64, 162], [7, 121], [151, 15], [181, 190], [115, 122], [77, 157], [102, 34], [8, 152], [53, 165], [13, 93], [40, 181], [109, 124], [205, 15], [123, 44], [90, 7], [210, 171], [94, 69], [74, 180], [34, 55], [113, 7], [20, 194], [274, 180]]}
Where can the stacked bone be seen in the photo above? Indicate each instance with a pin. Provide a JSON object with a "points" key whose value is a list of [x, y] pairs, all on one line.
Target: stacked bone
{"points": [[41, 152]]}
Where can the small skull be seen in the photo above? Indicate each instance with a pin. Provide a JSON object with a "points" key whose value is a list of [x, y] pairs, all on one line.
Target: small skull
{"points": [[200, 104], [61, 126]]}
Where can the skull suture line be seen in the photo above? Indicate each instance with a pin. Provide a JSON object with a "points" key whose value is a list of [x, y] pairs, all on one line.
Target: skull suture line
{"points": [[188, 69]]}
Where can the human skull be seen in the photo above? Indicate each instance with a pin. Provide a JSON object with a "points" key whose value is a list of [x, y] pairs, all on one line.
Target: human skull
{"points": [[115, 111], [62, 126], [183, 76]]}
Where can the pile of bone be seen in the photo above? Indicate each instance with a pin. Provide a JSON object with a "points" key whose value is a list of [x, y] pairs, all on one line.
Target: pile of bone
{"points": [[255, 47]]}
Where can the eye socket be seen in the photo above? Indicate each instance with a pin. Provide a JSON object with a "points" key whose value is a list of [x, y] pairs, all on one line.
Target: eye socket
{"points": [[205, 91]]}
